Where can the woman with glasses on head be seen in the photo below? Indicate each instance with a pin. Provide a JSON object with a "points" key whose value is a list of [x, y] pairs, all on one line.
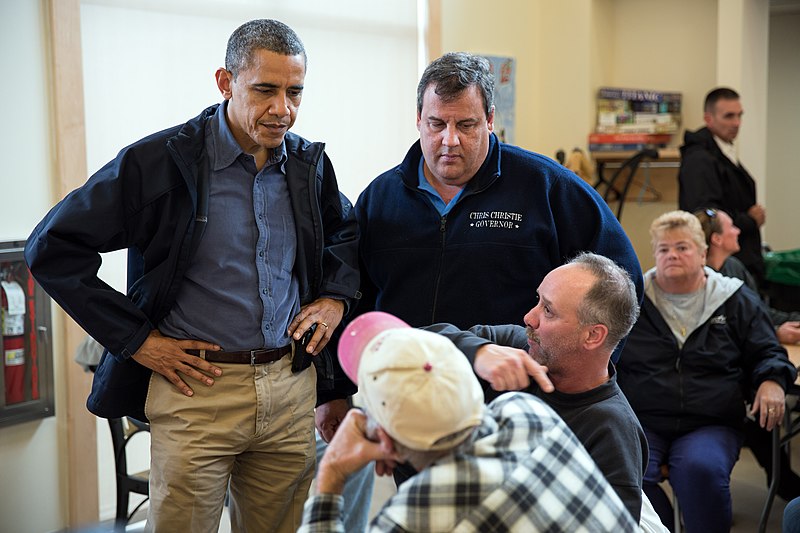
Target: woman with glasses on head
{"points": [[722, 239], [702, 345]]}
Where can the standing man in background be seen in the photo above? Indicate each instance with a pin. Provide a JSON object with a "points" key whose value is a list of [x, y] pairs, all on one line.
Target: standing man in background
{"points": [[712, 176], [239, 242]]}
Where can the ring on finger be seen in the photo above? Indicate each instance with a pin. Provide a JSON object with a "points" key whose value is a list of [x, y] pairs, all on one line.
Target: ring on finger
{"points": [[324, 324]]}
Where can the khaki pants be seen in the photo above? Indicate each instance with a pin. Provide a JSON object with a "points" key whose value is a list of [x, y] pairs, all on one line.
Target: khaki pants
{"points": [[254, 426]]}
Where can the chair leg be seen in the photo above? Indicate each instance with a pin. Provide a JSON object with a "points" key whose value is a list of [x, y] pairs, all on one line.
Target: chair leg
{"points": [[676, 510], [776, 479], [123, 497]]}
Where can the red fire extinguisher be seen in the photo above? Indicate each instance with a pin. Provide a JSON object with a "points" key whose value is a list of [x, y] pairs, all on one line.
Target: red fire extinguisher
{"points": [[13, 327]]}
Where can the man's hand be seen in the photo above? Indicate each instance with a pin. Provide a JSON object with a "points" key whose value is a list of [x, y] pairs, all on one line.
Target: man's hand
{"points": [[349, 451], [507, 368], [327, 312], [770, 403], [789, 333], [758, 213], [166, 356], [328, 417]]}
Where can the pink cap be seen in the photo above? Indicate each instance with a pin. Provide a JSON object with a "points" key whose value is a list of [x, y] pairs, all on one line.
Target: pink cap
{"points": [[357, 335]]}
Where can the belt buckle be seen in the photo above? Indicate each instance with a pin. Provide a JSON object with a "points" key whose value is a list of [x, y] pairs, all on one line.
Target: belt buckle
{"points": [[253, 357]]}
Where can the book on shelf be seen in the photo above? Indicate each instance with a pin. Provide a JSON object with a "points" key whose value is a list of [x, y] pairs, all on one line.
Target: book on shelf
{"points": [[623, 147], [630, 138], [639, 95], [637, 111]]}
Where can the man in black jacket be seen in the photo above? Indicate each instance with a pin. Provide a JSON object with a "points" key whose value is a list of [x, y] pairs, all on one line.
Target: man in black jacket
{"points": [[711, 176], [239, 242]]}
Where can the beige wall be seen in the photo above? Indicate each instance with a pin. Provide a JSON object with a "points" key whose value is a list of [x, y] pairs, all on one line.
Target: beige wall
{"points": [[471, 26], [667, 46], [565, 50]]}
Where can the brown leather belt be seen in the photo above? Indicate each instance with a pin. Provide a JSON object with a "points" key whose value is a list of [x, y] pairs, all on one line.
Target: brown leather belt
{"points": [[244, 357]]}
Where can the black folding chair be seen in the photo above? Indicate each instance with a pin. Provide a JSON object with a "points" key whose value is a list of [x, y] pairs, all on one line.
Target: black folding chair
{"points": [[617, 187], [122, 431]]}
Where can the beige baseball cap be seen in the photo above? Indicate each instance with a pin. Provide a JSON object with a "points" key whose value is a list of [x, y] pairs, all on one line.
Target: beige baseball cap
{"points": [[416, 384]]}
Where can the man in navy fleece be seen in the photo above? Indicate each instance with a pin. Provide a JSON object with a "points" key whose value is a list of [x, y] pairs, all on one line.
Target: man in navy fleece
{"points": [[466, 227]]}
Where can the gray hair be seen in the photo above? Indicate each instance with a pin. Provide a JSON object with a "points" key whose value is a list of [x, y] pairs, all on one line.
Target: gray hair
{"points": [[454, 72], [611, 300], [423, 458], [261, 34], [678, 220]]}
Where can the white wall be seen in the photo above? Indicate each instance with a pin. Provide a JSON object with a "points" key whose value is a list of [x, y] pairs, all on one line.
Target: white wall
{"points": [[30, 453], [153, 67], [25, 143], [150, 65], [783, 118]]}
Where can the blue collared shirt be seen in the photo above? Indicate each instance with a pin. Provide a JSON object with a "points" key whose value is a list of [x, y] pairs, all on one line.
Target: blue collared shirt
{"points": [[438, 203], [240, 290]]}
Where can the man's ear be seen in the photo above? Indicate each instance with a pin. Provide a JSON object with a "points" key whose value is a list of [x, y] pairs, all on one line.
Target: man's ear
{"points": [[386, 442], [596, 336], [707, 117], [224, 82]]}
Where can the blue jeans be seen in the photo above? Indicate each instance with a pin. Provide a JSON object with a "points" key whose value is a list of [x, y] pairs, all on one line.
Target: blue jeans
{"points": [[791, 517], [357, 493], [700, 465]]}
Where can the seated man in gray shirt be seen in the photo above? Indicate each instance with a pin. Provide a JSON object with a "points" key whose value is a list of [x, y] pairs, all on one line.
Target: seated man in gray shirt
{"points": [[585, 308]]}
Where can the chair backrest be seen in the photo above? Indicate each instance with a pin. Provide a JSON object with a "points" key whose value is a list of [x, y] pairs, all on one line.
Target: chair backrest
{"points": [[122, 431], [626, 172]]}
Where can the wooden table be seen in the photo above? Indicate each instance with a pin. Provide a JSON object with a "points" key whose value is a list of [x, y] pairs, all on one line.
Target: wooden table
{"points": [[667, 158], [614, 186], [794, 353]]}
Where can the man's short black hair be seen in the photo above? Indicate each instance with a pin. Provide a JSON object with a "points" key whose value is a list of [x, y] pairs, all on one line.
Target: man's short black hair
{"points": [[720, 93]]}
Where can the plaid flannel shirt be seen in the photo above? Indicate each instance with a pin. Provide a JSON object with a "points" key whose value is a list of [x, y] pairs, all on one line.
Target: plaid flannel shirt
{"points": [[523, 470]]}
